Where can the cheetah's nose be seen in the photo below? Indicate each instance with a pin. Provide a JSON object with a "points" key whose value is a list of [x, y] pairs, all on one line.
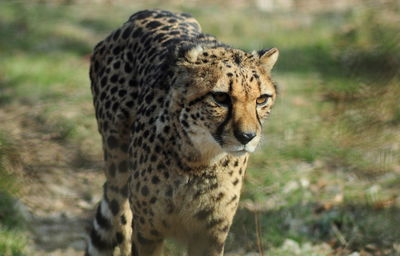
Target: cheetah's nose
{"points": [[245, 137]]}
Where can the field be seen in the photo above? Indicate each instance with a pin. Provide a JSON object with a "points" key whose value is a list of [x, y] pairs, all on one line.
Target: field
{"points": [[325, 181]]}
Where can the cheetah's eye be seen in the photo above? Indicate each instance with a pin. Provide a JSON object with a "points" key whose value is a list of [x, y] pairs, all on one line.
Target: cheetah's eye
{"points": [[221, 98], [263, 99]]}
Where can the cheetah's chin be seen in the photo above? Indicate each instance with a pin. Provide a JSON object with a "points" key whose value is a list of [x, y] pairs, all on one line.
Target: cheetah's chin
{"points": [[240, 151]]}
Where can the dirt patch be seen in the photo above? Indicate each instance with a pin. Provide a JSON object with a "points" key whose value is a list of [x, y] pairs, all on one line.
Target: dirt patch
{"points": [[60, 183]]}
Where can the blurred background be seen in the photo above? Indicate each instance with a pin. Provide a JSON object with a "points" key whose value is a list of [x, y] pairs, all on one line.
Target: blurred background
{"points": [[326, 180]]}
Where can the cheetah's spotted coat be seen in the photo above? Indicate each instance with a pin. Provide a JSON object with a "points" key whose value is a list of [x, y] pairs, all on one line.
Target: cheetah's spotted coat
{"points": [[178, 112]]}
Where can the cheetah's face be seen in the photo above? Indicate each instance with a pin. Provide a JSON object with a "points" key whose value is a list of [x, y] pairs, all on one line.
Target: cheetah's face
{"points": [[228, 95]]}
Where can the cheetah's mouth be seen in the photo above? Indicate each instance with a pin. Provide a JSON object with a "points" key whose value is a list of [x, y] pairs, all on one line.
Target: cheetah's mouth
{"points": [[239, 150], [233, 149]]}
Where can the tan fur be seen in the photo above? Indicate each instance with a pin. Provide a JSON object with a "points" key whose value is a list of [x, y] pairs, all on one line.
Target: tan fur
{"points": [[175, 155]]}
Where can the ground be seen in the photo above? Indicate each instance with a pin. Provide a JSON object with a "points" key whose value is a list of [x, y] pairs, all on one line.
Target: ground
{"points": [[324, 182], [60, 185]]}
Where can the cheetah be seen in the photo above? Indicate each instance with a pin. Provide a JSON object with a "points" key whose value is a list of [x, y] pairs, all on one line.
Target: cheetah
{"points": [[178, 113]]}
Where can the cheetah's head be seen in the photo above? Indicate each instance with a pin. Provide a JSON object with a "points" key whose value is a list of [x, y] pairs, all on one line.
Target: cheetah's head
{"points": [[223, 96]]}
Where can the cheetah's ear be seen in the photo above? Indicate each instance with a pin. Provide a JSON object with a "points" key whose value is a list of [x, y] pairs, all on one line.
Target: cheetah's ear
{"points": [[268, 58], [193, 53], [189, 53]]}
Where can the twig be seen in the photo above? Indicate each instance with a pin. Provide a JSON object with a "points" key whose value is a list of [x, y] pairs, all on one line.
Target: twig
{"points": [[339, 235], [258, 232]]}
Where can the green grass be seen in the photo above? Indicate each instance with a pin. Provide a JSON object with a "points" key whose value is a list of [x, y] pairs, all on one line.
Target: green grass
{"points": [[12, 237], [12, 232], [325, 180], [12, 243]]}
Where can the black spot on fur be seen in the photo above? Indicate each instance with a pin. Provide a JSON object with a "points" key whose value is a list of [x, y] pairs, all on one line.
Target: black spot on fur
{"points": [[112, 142], [153, 24], [123, 166], [155, 180], [129, 104], [203, 214], [214, 222], [128, 68], [111, 170], [141, 15], [114, 78], [233, 199], [220, 196], [166, 175], [165, 28], [225, 229], [138, 32], [154, 232], [117, 64], [103, 95], [104, 81], [124, 148], [166, 129], [115, 107], [145, 190], [122, 93], [116, 50], [113, 90], [149, 98], [116, 34], [114, 207], [123, 219], [127, 32], [185, 124], [119, 237]]}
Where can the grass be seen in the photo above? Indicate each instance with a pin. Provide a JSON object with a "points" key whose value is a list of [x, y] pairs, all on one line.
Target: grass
{"points": [[325, 181], [12, 237]]}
